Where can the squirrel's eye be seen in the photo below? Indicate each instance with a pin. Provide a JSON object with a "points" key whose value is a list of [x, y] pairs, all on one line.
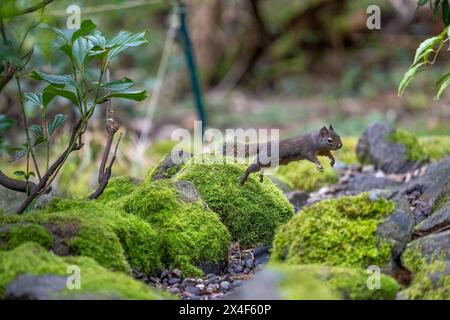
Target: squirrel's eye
{"points": [[330, 140]]}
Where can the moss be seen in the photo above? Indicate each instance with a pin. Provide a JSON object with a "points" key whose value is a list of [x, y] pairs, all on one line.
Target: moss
{"points": [[342, 283], [114, 239], [32, 259], [432, 283], [417, 255], [414, 151], [18, 234], [337, 232], [435, 147], [251, 212], [347, 154], [303, 175], [443, 198], [117, 188], [189, 234]]}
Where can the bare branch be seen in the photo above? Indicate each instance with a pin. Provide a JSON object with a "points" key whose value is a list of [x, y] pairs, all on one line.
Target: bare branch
{"points": [[16, 185], [29, 9]]}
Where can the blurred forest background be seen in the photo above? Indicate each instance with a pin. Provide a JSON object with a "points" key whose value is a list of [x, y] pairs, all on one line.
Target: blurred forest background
{"points": [[289, 64]]}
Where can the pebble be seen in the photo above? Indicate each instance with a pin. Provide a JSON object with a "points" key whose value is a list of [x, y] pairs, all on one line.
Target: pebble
{"points": [[193, 290], [177, 272], [164, 274], [154, 279], [224, 286], [249, 263], [200, 287], [173, 281], [238, 269]]}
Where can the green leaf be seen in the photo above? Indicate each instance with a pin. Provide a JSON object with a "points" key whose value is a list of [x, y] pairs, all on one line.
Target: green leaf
{"points": [[132, 95], [409, 76], [97, 39], [5, 123], [441, 85], [118, 85], [38, 141], [50, 92], [445, 12], [37, 129], [56, 123], [31, 173], [124, 40], [61, 80], [421, 3], [35, 98], [59, 33], [19, 173], [81, 49], [429, 43], [87, 26]]}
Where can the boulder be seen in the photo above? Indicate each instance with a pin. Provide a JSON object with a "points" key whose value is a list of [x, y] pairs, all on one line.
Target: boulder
{"points": [[41, 275], [169, 166], [351, 231], [389, 149], [314, 282], [10, 200]]}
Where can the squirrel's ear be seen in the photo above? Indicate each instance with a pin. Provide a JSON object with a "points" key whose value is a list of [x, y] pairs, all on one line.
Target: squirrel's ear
{"points": [[323, 132], [331, 128]]}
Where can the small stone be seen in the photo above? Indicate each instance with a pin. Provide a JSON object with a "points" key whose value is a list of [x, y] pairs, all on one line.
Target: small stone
{"points": [[210, 275], [224, 286], [195, 297], [154, 279], [249, 263], [173, 290], [213, 287], [164, 274], [237, 283], [189, 281], [193, 290], [165, 281], [246, 270], [173, 281], [199, 281], [177, 272], [238, 269], [201, 287]]}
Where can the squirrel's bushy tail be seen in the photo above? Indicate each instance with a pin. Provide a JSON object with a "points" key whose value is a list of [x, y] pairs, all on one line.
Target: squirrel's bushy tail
{"points": [[236, 149]]}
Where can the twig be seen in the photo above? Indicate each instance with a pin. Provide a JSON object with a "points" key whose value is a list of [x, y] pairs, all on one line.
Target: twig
{"points": [[29, 9], [16, 185]]}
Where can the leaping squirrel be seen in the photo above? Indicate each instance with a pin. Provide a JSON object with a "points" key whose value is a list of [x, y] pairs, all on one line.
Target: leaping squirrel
{"points": [[306, 147]]}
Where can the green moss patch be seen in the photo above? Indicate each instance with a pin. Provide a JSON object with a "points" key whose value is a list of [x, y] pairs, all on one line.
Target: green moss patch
{"points": [[117, 188], [189, 233], [303, 175], [32, 259], [251, 212], [414, 151], [14, 235], [114, 239], [337, 232], [435, 147], [431, 283], [339, 282]]}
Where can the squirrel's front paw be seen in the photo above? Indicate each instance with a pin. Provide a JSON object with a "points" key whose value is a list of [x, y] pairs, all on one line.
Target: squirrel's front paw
{"points": [[319, 168], [332, 162]]}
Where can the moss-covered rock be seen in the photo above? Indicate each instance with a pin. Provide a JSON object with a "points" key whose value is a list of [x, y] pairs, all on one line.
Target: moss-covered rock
{"points": [[431, 283], [414, 150], [337, 232], [251, 212], [303, 175], [435, 147], [78, 227], [96, 281], [190, 234], [117, 188], [343, 283], [425, 250]]}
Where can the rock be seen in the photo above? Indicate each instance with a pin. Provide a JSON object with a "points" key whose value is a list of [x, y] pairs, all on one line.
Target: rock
{"points": [[425, 250], [189, 281], [262, 255], [224, 286], [164, 274], [430, 283], [193, 290], [439, 220], [169, 166], [249, 263], [367, 232], [10, 200], [366, 181], [201, 286], [173, 281], [177, 273], [297, 198], [306, 282], [212, 267], [46, 287], [212, 287], [238, 268], [195, 297], [377, 146]]}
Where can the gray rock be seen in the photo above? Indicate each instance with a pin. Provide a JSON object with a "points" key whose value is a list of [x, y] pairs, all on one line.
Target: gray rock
{"points": [[10, 200], [173, 281], [193, 290], [209, 267], [397, 229], [297, 198], [26, 287], [238, 268], [224, 286], [366, 181], [440, 219], [263, 286], [169, 166], [374, 147], [432, 247], [249, 263]]}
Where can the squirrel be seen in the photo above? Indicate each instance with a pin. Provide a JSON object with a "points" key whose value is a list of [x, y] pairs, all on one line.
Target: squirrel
{"points": [[306, 147]]}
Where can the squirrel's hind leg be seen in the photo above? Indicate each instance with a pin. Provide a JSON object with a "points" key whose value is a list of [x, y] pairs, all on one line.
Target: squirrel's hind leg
{"points": [[261, 175], [254, 167]]}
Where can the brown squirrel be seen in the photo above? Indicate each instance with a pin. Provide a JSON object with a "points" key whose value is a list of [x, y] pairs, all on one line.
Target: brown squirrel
{"points": [[306, 147]]}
